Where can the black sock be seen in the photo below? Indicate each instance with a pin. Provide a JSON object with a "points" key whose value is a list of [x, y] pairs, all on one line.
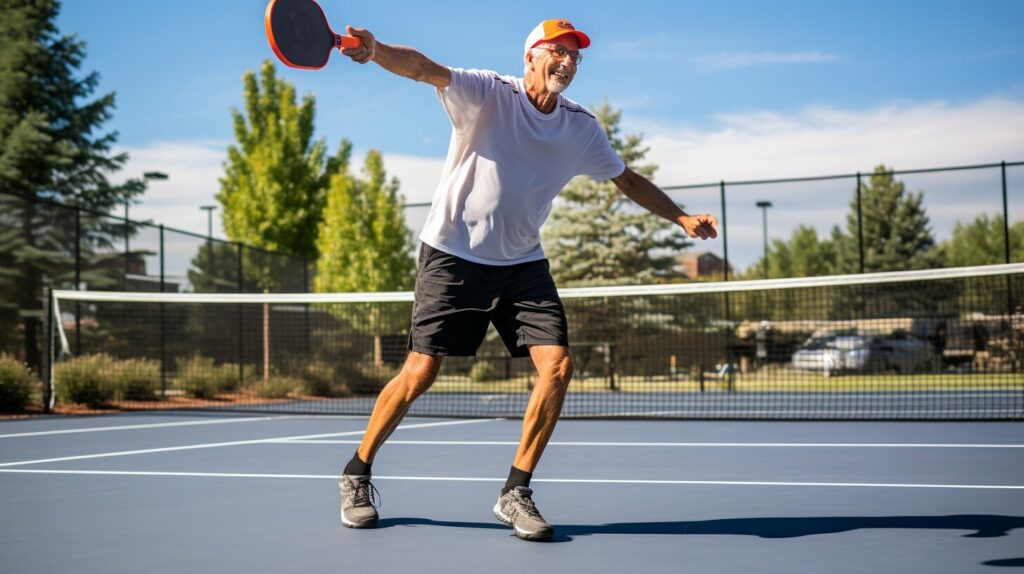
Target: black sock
{"points": [[516, 478], [357, 466]]}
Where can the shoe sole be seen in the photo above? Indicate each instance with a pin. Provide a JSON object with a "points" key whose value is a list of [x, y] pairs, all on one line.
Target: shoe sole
{"points": [[349, 524], [538, 536]]}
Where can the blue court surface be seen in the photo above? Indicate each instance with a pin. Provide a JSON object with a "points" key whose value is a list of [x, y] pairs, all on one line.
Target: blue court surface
{"points": [[195, 492]]}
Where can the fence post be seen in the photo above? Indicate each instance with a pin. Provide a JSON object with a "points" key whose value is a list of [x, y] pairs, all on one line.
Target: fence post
{"points": [[725, 234], [860, 227], [241, 322], [163, 334], [78, 275], [127, 247], [725, 295], [46, 368], [1006, 217]]}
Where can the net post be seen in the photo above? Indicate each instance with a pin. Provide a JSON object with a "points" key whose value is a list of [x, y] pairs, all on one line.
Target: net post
{"points": [[163, 337], [47, 360], [860, 227]]}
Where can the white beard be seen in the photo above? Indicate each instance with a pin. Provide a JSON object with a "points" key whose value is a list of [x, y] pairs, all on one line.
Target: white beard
{"points": [[556, 85]]}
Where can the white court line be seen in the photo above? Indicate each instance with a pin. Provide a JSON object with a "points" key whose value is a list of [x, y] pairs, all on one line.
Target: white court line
{"points": [[551, 480], [145, 426], [666, 444], [231, 443]]}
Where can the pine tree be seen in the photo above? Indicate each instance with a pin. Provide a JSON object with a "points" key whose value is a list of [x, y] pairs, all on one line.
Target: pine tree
{"points": [[52, 147], [276, 175], [597, 236], [896, 230]]}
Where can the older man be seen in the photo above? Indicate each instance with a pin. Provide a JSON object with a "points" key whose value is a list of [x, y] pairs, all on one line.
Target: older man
{"points": [[515, 143]]}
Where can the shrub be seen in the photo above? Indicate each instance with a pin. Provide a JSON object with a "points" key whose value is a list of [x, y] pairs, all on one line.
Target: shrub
{"points": [[278, 387], [482, 372], [15, 384], [320, 380], [137, 379], [199, 377], [86, 380], [362, 377]]}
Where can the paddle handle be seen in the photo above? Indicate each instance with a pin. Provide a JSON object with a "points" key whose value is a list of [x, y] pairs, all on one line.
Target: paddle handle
{"points": [[341, 42]]}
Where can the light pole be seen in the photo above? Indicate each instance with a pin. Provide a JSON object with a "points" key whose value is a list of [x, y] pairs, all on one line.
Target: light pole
{"points": [[764, 205], [209, 219], [209, 235]]}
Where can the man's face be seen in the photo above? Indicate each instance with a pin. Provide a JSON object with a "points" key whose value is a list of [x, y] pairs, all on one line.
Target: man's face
{"points": [[555, 72]]}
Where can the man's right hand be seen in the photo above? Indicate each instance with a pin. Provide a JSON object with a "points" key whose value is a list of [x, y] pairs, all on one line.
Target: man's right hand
{"points": [[367, 51]]}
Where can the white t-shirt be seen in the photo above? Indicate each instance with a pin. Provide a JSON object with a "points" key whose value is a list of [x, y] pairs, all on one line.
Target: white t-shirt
{"points": [[506, 163]]}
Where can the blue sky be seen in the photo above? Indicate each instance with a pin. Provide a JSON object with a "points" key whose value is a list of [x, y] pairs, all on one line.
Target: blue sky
{"points": [[721, 90]]}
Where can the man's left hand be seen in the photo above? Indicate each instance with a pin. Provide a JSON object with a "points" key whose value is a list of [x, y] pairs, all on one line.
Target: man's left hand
{"points": [[704, 226]]}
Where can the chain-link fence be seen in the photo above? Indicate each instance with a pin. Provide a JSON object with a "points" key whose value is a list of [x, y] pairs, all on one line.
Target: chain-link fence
{"points": [[45, 243]]}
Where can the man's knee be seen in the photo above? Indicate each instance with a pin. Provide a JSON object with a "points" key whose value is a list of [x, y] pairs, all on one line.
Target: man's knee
{"points": [[557, 368], [418, 373]]}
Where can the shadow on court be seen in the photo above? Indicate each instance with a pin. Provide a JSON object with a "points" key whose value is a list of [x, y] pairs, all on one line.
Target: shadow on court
{"points": [[979, 525]]}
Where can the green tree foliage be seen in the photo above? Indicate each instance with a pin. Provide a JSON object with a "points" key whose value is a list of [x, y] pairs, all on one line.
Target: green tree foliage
{"points": [[276, 174], [982, 242], [802, 255], [897, 236], [597, 236], [52, 147], [365, 246], [363, 242]]}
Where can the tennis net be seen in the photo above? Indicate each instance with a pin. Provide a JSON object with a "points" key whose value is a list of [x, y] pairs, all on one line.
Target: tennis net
{"points": [[935, 344]]}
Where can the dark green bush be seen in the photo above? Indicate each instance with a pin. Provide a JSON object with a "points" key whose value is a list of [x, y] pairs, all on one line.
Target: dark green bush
{"points": [[278, 387], [15, 384], [482, 372], [199, 377], [137, 379], [363, 377], [86, 380], [320, 380]]}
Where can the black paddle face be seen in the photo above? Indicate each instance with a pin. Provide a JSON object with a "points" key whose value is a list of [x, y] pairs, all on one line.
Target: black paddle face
{"points": [[299, 33]]}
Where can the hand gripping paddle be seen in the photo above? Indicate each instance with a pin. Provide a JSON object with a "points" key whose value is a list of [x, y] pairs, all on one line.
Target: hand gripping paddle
{"points": [[300, 36]]}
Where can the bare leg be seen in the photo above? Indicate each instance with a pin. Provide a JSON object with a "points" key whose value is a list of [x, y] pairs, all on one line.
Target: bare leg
{"points": [[554, 369], [413, 380]]}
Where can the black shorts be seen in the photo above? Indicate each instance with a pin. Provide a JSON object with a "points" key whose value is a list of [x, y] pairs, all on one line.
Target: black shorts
{"points": [[456, 299]]}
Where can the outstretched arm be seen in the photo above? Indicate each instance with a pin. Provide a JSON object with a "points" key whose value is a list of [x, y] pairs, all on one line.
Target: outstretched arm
{"points": [[398, 59], [650, 197]]}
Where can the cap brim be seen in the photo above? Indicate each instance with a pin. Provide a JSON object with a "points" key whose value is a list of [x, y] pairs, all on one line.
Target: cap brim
{"points": [[582, 38]]}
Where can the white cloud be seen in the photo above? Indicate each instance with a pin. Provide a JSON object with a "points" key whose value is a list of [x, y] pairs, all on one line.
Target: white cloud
{"points": [[823, 140], [733, 60], [819, 140], [192, 169]]}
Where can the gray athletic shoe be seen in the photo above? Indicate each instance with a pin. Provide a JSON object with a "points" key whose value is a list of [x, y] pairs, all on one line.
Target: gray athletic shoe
{"points": [[516, 509], [358, 501]]}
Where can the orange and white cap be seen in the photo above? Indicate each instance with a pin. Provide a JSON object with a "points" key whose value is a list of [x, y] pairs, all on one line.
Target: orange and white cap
{"points": [[551, 29]]}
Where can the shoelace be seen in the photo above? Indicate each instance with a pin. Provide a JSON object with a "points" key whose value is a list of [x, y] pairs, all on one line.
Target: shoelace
{"points": [[366, 493], [527, 506]]}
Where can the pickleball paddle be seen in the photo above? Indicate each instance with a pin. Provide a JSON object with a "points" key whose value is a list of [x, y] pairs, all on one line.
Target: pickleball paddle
{"points": [[300, 35]]}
